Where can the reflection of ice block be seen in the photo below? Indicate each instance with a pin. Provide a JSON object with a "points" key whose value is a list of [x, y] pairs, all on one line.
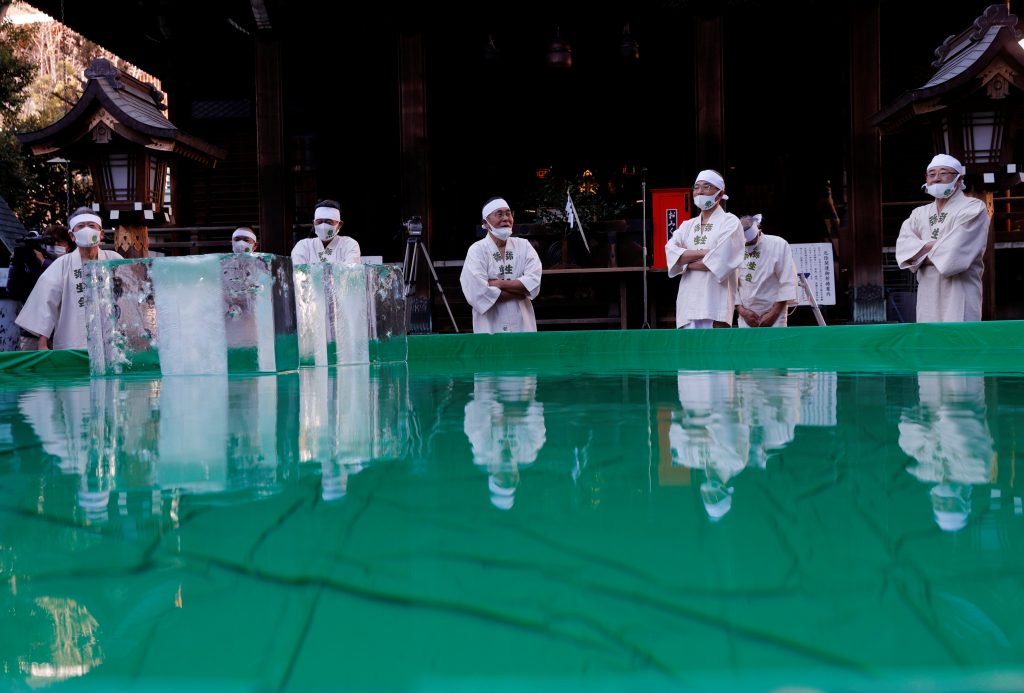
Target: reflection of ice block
{"points": [[252, 432], [355, 414], [389, 402], [331, 307], [194, 434], [388, 338], [203, 314], [200, 434]]}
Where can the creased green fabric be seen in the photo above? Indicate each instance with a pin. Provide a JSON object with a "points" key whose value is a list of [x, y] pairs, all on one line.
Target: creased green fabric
{"points": [[983, 346]]}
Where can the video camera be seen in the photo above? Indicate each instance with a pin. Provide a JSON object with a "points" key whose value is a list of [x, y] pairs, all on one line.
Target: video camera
{"points": [[36, 241], [414, 225]]}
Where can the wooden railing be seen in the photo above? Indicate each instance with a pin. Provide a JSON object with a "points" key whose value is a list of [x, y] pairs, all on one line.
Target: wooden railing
{"points": [[192, 240]]}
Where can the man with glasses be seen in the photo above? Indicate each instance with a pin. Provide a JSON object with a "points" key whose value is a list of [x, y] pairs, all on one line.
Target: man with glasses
{"points": [[705, 252], [943, 243], [501, 275]]}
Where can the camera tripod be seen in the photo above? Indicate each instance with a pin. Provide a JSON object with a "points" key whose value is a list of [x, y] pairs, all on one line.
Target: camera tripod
{"points": [[413, 247]]}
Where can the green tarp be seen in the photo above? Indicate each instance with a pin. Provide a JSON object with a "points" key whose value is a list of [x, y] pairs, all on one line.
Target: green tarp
{"points": [[989, 346]]}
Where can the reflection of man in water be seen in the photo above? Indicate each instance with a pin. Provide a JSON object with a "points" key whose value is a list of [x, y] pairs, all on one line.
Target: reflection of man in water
{"points": [[949, 437], [769, 404], [505, 426], [710, 436]]}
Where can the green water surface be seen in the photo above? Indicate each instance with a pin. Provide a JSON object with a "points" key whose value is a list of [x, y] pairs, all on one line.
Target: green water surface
{"points": [[404, 527]]}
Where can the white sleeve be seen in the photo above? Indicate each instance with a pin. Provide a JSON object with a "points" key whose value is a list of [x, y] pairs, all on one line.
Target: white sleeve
{"points": [[352, 254], [786, 271], [42, 308], [532, 272], [909, 244], [474, 281], [674, 250]]}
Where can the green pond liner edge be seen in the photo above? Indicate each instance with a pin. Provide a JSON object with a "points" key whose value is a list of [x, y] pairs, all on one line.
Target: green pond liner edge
{"points": [[996, 346]]}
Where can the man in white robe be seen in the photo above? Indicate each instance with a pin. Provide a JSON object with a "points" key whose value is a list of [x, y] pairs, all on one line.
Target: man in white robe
{"points": [[57, 303], [705, 253], [767, 278], [501, 275], [329, 245], [943, 243]]}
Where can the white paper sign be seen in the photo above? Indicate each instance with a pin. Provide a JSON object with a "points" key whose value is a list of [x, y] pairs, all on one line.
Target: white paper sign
{"points": [[814, 262]]}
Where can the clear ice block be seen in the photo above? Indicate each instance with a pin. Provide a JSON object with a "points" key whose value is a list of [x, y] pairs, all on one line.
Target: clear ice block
{"points": [[206, 314], [331, 306], [388, 333]]}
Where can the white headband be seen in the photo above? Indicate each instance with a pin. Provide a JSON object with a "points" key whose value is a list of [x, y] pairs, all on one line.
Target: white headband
{"points": [[79, 218], [327, 213], [715, 179], [243, 233], [947, 161], [712, 177], [494, 205]]}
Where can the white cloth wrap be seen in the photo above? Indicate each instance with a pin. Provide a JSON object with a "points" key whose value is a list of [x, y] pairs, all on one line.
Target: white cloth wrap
{"points": [[79, 218], [493, 206], [327, 213], [947, 161], [709, 176]]}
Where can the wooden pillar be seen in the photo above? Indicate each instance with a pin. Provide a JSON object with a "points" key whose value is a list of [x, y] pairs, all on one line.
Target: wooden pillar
{"points": [[414, 165], [275, 220], [860, 247], [709, 91], [131, 241], [988, 278]]}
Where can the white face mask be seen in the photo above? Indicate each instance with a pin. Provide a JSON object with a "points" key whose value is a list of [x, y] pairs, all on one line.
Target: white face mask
{"points": [[59, 250], [940, 191], [325, 232], [751, 233], [240, 246], [500, 232], [705, 202], [87, 237]]}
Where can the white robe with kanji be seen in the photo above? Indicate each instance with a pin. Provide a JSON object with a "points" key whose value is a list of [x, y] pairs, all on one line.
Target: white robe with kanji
{"points": [[949, 286], [57, 303], [485, 262], [341, 250], [707, 295], [767, 276]]}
